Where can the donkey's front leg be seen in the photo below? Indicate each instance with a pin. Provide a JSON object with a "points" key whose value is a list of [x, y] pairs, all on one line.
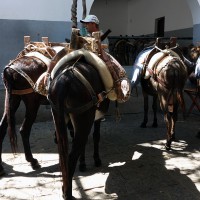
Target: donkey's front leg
{"points": [[3, 128], [96, 140], [154, 107], [168, 121], [146, 108]]}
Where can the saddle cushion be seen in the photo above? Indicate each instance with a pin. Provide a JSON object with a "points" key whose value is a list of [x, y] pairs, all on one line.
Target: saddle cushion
{"points": [[153, 63], [197, 69], [121, 82], [159, 60], [94, 60]]}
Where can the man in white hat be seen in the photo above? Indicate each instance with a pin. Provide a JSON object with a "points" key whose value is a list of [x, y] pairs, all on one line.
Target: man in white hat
{"points": [[91, 23]]}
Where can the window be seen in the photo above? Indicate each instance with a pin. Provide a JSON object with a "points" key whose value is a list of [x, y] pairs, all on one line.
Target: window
{"points": [[160, 27]]}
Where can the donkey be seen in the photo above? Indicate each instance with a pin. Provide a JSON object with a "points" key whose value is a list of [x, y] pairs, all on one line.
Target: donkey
{"points": [[163, 74]]}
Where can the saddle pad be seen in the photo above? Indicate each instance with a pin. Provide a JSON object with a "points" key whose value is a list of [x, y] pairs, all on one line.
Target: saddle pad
{"points": [[138, 65], [197, 69], [157, 58], [163, 63], [94, 60], [154, 62], [40, 56]]}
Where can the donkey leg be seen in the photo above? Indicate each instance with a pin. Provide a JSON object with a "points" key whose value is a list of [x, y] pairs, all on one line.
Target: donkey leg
{"points": [[173, 122], [71, 131], [96, 139], [13, 105], [154, 107], [25, 130], [82, 164], [83, 124], [146, 108], [169, 127], [3, 128]]}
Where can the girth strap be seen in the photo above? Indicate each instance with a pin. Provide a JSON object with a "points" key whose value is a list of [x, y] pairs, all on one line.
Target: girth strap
{"points": [[22, 92], [87, 85], [155, 77]]}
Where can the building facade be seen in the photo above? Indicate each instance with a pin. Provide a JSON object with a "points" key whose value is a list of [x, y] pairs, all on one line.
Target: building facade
{"points": [[52, 19]]}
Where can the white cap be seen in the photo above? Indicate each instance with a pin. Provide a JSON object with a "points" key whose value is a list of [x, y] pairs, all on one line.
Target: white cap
{"points": [[90, 18]]}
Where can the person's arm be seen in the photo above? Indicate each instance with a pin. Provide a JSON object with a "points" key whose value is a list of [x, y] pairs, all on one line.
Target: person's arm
{"points": [[105, 35]]}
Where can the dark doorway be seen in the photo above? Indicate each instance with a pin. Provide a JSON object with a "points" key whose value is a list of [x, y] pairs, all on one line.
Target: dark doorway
{"points": [[160, 27]]}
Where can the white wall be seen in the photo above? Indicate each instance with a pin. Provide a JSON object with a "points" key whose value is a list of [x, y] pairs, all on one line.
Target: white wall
{"points": [[112, 14], [137, 17], [132, 17], [142, 15], [45, 10], [194, 6]]}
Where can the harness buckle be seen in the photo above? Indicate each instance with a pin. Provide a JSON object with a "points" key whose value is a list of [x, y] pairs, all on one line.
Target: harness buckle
{"points": [[101, 96]]}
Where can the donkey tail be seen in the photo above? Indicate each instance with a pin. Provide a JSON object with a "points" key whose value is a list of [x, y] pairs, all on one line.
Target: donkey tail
{"points": [[57, 102], [8, 109]]}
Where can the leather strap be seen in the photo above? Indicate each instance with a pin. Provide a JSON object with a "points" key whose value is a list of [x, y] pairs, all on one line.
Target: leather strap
{"points": [[22, 92]]}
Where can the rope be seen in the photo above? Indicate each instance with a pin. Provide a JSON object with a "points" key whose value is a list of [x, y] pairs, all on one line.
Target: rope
{"points": [[84, 8], [74, 13]]}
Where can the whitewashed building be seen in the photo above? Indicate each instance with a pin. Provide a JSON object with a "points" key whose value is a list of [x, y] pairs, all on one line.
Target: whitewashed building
{"points": [[52, 18]]}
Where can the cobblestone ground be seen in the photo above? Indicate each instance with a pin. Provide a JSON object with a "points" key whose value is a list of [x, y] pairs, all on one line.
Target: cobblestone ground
{"points": [[135, 162]]}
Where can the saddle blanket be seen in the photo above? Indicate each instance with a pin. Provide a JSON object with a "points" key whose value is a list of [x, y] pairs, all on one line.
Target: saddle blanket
{"points": [[138, 66], [197, 68]]}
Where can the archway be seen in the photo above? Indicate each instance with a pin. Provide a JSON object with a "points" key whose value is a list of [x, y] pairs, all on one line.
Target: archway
{"points": [[195, 11], [194, 7]]}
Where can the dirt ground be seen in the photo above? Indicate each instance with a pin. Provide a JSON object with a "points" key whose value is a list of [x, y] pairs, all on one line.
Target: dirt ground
{"points": [[135, 162]]}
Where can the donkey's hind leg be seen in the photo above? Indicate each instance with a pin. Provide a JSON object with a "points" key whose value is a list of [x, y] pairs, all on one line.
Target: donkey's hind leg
{"points": [[170, 123], [13, 106], [82, 126], [96, 140], [3, 128], [146, 109], [32, 105], [154, 107]]}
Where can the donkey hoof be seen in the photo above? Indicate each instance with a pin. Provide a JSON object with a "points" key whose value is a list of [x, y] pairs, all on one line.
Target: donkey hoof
{"points": [[82, 167], [143, 125], [154, 125], [68, 198], [2, 172], [173, 139], [167, 147], [97, 163], [35, 164], [55, 140], [198, 135]]}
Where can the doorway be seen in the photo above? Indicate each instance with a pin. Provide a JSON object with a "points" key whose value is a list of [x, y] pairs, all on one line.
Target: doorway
{"points": [[160, 27]]}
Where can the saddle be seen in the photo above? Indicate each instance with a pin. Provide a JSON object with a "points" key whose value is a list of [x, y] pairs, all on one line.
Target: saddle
{"points": [[53, 55], [113, 75], [158, 54], [44, 51]]}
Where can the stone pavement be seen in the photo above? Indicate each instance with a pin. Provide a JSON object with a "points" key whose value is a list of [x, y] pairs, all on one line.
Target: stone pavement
{"points": [[136, 165]]}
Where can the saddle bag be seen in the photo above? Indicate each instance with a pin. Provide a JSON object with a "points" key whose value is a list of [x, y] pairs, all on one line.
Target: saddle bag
{"points": [[122, 84]]}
